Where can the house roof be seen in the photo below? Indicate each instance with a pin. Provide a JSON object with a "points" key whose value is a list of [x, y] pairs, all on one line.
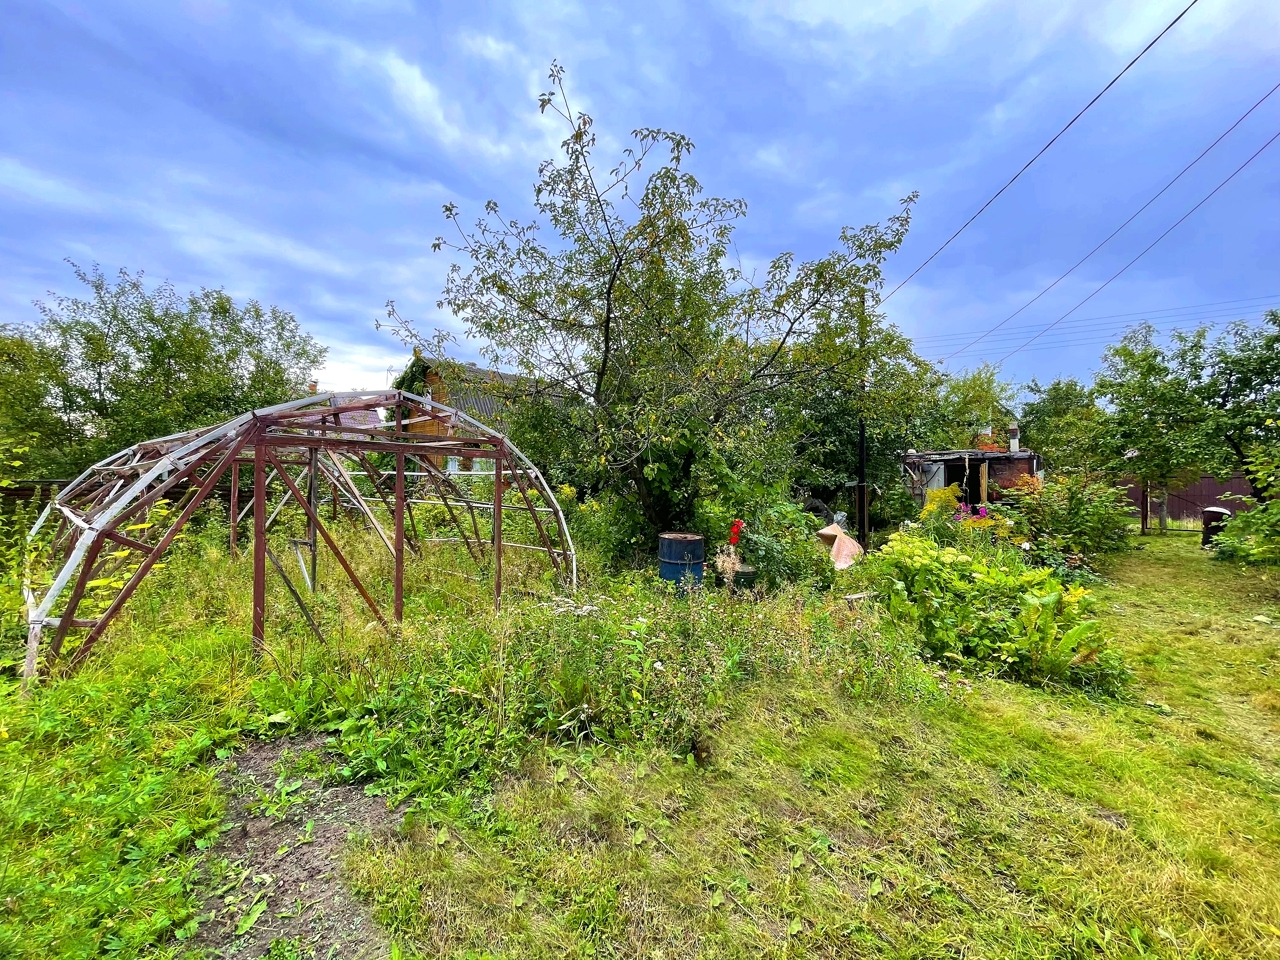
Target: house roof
{"points": [[937, 455]]}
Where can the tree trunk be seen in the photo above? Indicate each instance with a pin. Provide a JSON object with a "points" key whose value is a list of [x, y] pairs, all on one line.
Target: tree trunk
{"points": [[1163, 503]]}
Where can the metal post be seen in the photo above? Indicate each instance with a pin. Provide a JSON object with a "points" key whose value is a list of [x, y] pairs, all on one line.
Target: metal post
{"points": [[259, 544], [497, 530], [313, 492], [235, 503], [399, 525], [864, 521]]}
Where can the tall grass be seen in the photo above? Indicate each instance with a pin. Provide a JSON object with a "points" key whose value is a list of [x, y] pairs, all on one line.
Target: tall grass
{"points": [[108, 794]]}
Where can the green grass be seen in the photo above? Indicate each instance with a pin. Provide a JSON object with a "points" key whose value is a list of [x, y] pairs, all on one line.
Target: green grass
{"points": [[790, 782], [1002, 822]]}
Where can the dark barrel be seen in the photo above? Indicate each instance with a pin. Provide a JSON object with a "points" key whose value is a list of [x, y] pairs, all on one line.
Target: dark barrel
{"points": [[1213, 520], [681, 556]]}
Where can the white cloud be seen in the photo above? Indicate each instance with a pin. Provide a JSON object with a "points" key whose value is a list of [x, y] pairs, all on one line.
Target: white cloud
{"points": [[419, 98], [1130, 26], [20, 180], [490, 48], [358, 366], [410, 93]]}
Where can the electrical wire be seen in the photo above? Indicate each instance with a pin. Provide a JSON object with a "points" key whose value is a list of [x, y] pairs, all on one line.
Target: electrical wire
{"points": [[1147, 249], [946, 341], [1113, 233], [1068, 338], [1063, 340], [1028, 164]]}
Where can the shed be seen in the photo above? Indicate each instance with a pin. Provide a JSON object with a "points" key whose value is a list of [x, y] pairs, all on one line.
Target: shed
{"points": [[980, 474]]}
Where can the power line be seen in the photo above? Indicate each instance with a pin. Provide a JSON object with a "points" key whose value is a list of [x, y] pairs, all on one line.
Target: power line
{"points": [[1067, 337], [1095, 340], [1132, 217], [1144, 252], [1028, 164], [940, 342], [1190, 312], [1061, 339]]}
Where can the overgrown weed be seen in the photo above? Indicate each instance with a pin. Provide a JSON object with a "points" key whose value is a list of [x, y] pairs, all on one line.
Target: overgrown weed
{"points": [[108, 774]]}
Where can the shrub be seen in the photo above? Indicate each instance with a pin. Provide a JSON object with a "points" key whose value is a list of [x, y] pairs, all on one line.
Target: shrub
{"points": [[992, 610], [1253, 535], [1070, 521], [894, 505], [778, 538]]}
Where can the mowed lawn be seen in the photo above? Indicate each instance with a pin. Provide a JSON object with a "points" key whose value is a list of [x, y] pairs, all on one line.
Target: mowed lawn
{"points": [[972, 820]]}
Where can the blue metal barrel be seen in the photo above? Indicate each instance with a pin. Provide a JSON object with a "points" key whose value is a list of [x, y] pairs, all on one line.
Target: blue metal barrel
{"points": [[681, 557]]}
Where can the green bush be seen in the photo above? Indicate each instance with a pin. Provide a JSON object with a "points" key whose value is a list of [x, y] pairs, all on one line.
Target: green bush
{"points": [[894, 505], [1252, 535], [990, 609], [1070, 521], [778, 539]]}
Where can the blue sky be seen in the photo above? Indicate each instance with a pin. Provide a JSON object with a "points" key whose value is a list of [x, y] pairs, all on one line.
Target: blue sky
{"points": [[300, 153]]}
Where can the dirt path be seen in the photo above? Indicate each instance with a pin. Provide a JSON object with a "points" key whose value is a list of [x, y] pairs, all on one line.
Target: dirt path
{"points": [[275, 874]]}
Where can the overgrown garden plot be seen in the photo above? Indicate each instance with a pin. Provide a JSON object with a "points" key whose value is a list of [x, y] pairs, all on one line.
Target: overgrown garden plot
{"points": [[828, 795]]}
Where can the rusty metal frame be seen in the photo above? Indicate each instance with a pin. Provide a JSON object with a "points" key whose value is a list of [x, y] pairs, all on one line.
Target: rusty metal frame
{"points": [[107, 516]]}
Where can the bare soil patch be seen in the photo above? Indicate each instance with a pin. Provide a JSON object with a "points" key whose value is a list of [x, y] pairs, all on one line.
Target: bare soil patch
{"points": [[275, 875]]}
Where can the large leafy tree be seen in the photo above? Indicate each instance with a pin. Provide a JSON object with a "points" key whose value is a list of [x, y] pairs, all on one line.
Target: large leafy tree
{"points": [[1233, 390], [874, 379], [966, 403], [1152, 431], [1194, 403], [642, 347], [125, 363], [1063, 423]]}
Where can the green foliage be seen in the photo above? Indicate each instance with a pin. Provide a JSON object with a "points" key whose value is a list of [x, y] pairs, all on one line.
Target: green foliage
{"points": [[1192, 404], [1063, 423], [747, 480], [894, 505], [988, 608], [1152, 431], [1070, 522], [1233, 386], [967, 403], [129, 364], [779, 542], [875, 379], [1252, 535], [640, 346]]}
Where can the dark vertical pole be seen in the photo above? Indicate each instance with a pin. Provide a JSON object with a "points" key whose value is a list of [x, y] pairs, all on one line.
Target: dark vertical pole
{"points": [[497, 529], [399, 523], [864, 521], [259, 544], [235, 502], [1144, 509], [313, 498]]}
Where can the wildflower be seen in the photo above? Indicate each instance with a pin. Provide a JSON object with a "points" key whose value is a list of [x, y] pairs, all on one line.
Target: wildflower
{"points": [[1026, 546], [657, 665]]}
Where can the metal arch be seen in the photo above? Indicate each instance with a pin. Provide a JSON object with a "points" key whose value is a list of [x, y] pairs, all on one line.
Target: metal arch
{"points": [[105, 517]]}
